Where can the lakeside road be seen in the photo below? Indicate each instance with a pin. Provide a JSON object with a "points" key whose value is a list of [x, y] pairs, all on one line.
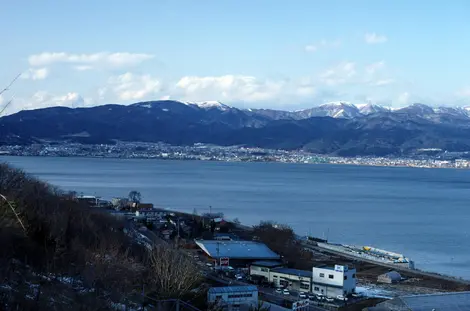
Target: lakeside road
{"points": [[432, 275]]}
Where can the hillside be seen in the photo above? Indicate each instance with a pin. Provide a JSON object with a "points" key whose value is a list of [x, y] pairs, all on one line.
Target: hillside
{"points": [[58, 254], [335, 128]]}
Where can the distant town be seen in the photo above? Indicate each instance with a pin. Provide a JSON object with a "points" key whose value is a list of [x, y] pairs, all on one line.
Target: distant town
{"points": [[206, 152]]}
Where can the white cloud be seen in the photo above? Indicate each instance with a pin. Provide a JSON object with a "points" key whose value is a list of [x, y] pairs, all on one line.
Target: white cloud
{"points": [[36, 74], [374, 67], [465, 93], [123, 59], [383, 82], [339, 74], [44, 99], [404, 99], [373, 38], [321, 45], [242, 89], [130, 86], [83, 67]]}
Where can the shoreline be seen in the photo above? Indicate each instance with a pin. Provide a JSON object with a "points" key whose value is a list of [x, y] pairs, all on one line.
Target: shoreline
{"points": [[420, 272], [231, 161]]}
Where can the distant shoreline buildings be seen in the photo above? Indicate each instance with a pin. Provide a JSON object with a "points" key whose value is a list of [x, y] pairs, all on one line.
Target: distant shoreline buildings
{"points": [[203, 152]]}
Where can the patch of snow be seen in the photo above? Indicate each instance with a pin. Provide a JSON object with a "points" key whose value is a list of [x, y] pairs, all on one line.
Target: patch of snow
{"points": [[5, 287], [146, 105], [65, 280], [337, 104], [371, 291], [209, 105], [166, 110], [339, 114]]}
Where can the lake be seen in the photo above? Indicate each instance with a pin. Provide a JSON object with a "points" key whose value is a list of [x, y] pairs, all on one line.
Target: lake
{"points": [[422, 213]]}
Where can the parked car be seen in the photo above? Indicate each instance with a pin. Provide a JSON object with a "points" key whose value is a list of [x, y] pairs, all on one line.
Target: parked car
{"points": [[341, 297], [286, 292], [302, 295], [312, 297], [279, 290]]}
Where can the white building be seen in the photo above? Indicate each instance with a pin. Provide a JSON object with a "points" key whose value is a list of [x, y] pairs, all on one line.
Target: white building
{"points": [[233, 297], [333, 281]]}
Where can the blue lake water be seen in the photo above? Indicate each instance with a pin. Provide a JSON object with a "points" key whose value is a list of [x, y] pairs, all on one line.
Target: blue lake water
{"points": [[422, 213]]}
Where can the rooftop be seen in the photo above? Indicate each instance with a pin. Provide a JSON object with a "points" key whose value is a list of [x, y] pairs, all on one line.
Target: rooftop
{"points": [[232, 289], [267, 264], [296, 272], [236, 249]]}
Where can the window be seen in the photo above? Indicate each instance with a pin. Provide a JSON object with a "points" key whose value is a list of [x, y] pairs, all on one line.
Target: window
{"points": [[354, 275], [331, 276], [322, 275], [304, 286], [275, 276], [316, 288], [345, 277]]}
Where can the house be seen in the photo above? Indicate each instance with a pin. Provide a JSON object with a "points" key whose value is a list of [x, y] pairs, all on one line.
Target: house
{"points": [[456, 301], [233, 297], [333, 281], [298, 280], [389, 277]]}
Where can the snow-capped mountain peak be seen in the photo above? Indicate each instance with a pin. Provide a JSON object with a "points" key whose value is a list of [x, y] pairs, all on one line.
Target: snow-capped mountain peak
{"points": [[209, 105]]}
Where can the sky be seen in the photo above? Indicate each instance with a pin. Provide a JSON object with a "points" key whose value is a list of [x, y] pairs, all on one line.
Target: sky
{"points": [[245, 53]]}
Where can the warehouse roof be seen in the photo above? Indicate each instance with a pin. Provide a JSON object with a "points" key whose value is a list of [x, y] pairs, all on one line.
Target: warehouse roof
{"points": [[457, 301], [232, 289], [296, 272], [236, 249]]}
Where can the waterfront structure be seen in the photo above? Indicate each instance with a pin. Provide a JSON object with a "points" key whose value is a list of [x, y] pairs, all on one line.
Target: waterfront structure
{"points": [[333, 281], [456, 301], [242, 252], [389, 277], [233, 297]]}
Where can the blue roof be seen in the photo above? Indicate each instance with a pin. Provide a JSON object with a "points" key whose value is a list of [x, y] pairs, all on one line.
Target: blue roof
{"points": [[268, 264], [232, 289], [296, 272], [236, 249]]}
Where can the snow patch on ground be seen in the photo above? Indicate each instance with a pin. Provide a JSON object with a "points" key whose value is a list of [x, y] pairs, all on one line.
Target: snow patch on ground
{"points": [[373, 291]]}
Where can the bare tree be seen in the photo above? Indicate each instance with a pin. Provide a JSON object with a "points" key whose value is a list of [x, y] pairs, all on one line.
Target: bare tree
{"points": [[135, 196], [172, 274]]}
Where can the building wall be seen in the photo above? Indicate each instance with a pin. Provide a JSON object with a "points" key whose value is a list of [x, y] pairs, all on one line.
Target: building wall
{"points": [[345, 280], [293, 282], [327, 291], [261, 271], [231, 299]]}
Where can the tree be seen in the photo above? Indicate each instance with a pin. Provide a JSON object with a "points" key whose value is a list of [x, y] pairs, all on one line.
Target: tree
{"points": [[260, 307], [172, 273], [135, 196]]}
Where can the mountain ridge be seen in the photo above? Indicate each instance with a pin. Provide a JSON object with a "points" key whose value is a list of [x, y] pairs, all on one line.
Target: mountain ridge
{"points": [[337, 128]]}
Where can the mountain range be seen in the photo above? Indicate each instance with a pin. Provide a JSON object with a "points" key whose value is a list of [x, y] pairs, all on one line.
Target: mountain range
{"points": [[336, 128]]}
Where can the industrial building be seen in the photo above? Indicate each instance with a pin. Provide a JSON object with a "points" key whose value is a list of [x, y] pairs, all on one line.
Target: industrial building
{"points": [[333, 281], [233, 297], [237, 252], [298, 280], [274, 272], [263, 268], [457, 301]]}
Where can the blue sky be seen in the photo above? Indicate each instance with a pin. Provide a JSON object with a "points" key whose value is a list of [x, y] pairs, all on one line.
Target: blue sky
{"points": [[277, 54]]}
